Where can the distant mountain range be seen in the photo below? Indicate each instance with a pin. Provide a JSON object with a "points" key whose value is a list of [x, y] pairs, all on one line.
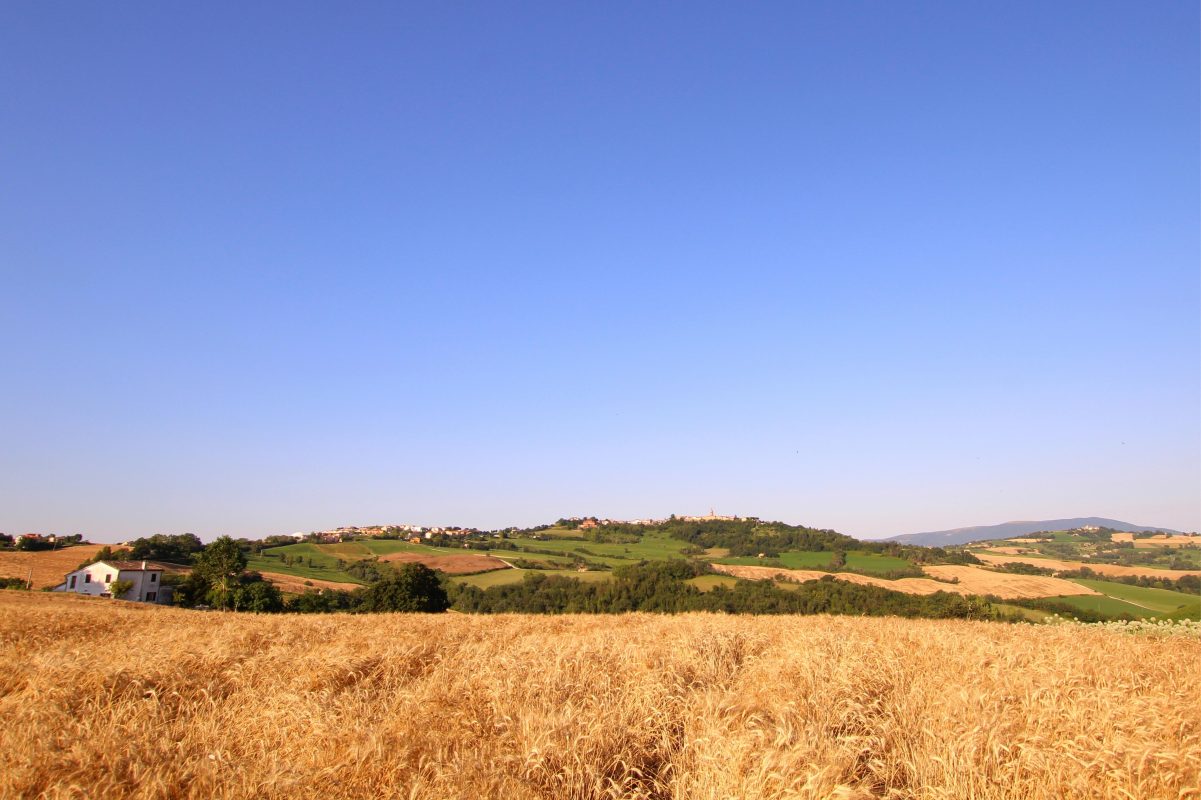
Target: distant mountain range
{"points": [[1008, 530]]}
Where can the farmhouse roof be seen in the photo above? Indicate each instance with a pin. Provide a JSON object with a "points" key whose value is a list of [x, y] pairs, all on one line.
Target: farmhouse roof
{"points": [[137, 565]]}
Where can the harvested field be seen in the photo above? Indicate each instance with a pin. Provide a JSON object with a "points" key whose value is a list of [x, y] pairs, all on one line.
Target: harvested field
{"points": [[49, 566], [297, 585], [1012, 551], [1183, 541], [972, 580], [1159, 540], [452, 565], [211, 705], [1100, 569]]}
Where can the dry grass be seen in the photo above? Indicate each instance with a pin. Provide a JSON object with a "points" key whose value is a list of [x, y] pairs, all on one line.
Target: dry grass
{"points": [[466, 564], [108, 699], [49, 566], [971, 580], [1100, 569]]}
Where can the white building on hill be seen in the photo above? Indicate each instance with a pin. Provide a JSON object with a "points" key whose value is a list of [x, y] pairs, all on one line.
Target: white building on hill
{"points": [[95, 579]]}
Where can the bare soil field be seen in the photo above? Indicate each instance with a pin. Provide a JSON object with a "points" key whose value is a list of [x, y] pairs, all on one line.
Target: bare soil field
{"points": [[972, 580], [49, 566], [1100, 569], [452, 565], [210, 705]]}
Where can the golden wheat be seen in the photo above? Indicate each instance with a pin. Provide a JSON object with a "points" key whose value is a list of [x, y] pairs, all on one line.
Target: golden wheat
{"points": [[108, 699]]}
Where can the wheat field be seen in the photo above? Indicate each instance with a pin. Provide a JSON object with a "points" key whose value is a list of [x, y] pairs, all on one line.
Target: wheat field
{"points": [[102, 698]]}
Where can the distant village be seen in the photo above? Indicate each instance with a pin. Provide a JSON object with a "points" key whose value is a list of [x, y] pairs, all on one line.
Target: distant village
{"points": [[419, 533], [412, 533]]}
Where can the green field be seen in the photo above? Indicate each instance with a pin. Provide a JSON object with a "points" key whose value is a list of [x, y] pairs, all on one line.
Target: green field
{"points": [[1031, 614], [1104, 605], [325, 557], [324, 564], [857, 560], [654, 546], [1146, 602], [551, 562]]}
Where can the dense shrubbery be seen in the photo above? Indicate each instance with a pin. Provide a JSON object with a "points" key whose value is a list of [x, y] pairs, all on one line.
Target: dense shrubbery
{"points": [[411, 587], [177, 549], [740, 537], [369, 570], [107, 553], [1019, 568]]}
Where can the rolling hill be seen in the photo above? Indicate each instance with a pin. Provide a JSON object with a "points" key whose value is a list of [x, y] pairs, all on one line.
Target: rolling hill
{"points": [[1007, 530]]}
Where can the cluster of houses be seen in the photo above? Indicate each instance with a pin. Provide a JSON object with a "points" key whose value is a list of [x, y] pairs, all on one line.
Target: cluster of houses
{"points": [[410, 532], [585, 523]]}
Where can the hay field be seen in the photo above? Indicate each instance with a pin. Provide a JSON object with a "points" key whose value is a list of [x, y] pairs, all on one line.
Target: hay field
{"points": [[1100, 569], [49, 566], [1159, 540], [296, 585], [108, 699], [972, 580], [453, 564]]}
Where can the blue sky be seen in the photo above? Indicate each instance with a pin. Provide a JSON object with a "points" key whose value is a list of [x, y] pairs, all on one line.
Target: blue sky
{"points": [[879, 267]]}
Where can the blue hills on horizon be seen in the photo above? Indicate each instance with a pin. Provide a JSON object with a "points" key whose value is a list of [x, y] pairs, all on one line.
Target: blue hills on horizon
{"points": [[1008, 530]]}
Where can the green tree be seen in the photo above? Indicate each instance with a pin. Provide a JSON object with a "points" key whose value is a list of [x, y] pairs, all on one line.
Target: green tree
{"points": [[259, 596], [414, 587], [219, 565], [119, 589]]}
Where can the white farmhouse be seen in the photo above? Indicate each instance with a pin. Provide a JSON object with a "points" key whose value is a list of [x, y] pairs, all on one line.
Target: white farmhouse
{"points": [[94, 579]]}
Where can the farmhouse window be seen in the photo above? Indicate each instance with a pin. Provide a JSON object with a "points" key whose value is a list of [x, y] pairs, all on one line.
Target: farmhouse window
{"points": [[153, 577], [108, 578], [87, 577], [73, 578], [151, 596]]}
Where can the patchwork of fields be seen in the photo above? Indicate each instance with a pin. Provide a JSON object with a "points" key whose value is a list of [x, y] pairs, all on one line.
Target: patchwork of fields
{"points": [[301, 567], [203, 705]]}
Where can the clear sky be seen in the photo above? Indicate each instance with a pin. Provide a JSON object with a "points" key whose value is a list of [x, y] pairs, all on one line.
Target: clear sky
{"points": [[879, 267]]}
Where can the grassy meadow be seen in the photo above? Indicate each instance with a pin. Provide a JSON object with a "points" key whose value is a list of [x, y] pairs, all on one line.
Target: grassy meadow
{"points": [[855, 559], [1138, 601], [117, 700]]}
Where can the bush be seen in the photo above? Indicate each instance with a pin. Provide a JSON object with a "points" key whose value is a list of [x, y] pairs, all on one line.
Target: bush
{"points": [[413, 588]]}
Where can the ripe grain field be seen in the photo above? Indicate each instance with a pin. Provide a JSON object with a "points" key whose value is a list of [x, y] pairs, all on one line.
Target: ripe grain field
{"points": [[110, 699]]}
